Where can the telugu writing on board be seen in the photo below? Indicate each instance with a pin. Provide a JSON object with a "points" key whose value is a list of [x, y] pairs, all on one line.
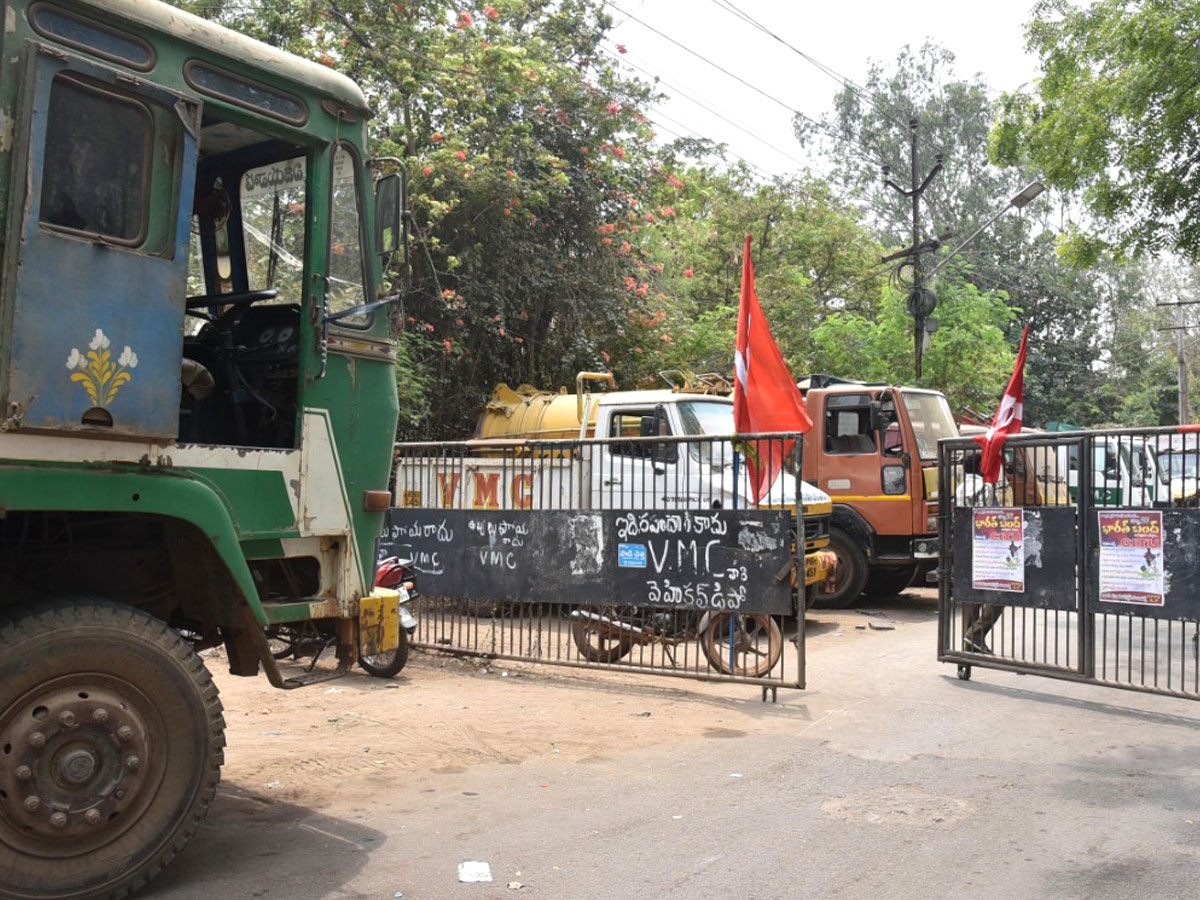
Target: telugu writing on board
{"points": [[691, 559], [1131, 558], [998, 550]]}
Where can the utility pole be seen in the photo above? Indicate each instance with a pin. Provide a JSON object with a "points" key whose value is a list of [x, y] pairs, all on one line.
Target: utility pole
{"points": [[1181, 363], [921, 301]]}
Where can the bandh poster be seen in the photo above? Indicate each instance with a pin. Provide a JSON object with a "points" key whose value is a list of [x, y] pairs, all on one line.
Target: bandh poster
{"points": [[998, 550], [1131, 558]]}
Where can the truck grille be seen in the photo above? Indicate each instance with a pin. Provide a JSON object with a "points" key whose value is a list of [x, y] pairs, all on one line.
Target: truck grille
{"points": [[816, 531]]}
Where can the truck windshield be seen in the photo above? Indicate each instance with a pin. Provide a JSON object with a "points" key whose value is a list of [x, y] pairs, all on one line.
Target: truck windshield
{"points": [[1178, 464], [706, 417], [931, 421]]}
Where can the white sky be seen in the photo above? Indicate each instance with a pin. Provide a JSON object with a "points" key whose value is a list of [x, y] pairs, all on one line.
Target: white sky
{"points": [[843, 35]]}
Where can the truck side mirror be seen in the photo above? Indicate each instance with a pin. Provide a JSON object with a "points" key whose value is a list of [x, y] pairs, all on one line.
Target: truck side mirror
{"points": [[390, 193], [875, 416], [661, 427]]}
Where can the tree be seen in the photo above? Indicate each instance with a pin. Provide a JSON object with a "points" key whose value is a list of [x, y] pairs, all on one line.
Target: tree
{"points": [[528, 159], [1016, 255], [970, 364], [1114, 121]]}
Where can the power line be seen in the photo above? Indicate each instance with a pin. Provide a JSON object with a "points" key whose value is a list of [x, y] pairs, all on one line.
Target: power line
{"points": [[681, 92], [786, 106], [877, 99]]}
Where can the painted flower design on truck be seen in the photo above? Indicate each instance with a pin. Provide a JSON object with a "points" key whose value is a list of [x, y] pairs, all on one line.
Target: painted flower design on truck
{"points": [[95, 370]]}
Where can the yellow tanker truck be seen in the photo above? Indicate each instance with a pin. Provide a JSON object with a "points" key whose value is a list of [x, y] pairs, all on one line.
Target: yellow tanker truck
{"points": [[625, 450]]}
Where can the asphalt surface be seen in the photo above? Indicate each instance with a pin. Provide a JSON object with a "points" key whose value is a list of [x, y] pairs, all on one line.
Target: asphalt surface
{"points": [[888, 778]]}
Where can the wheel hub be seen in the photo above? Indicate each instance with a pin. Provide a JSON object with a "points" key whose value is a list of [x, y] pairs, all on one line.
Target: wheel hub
{"points": [[74, 763]]}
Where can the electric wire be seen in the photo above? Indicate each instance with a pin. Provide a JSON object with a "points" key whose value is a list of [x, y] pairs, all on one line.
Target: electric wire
{"points": [[859, 91], [676, 90], [819, 126]]}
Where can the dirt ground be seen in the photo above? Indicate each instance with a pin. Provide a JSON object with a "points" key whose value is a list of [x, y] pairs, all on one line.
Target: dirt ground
{"points": [[446, 715]]}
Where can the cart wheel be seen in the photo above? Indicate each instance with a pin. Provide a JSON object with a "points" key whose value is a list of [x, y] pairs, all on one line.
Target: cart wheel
{"points": [[964, 672]]}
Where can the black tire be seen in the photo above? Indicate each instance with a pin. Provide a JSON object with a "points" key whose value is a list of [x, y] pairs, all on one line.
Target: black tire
{"points": [[848, 580], [112, 738], [747, 644], [597, 642], [889, 581], [284, 641], [385, 665]]}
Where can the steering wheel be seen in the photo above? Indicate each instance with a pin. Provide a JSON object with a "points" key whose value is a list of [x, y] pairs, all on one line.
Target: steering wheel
{"points": [[243, 298]]}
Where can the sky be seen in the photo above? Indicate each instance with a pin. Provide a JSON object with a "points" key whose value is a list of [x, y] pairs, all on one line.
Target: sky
{"points": [[753, 115]]}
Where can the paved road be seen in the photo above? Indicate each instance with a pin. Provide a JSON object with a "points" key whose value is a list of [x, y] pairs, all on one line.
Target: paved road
{"points": [[888, 778]]}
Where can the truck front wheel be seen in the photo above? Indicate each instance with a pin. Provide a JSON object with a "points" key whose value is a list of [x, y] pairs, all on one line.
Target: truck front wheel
{"points": [[848, 580], [111, 738]]}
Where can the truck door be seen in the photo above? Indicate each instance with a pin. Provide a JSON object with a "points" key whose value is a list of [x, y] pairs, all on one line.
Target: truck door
{"points": [[94, 300], [853, 465], [637, 474]]}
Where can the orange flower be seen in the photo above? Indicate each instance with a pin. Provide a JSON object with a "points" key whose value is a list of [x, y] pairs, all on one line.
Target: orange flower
{"points": [[688, 273], [436, 137], [427, 171], [461, 155], [490, 12], [465, 19], [613, 107]]}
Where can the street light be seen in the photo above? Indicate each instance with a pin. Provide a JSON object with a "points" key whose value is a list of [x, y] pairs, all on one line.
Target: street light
{"points": [[1020, 201]]}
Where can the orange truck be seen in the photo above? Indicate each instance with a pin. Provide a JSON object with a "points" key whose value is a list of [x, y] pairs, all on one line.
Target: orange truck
{"points": [[873, 449]]}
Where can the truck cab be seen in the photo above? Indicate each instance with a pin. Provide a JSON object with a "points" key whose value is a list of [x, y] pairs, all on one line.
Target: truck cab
{"points": [[198, 411], [873, 450]]}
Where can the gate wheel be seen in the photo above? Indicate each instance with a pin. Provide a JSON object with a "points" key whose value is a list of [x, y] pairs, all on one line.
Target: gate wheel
{"points": [[111, 734], [964, 672]]}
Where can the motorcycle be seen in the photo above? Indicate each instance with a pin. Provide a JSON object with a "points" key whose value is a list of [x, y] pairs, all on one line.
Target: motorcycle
{"points": [[312, 638], [745, 644]]}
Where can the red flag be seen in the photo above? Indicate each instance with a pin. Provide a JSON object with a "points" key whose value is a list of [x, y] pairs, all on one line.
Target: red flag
{"points": [[765, 396], [1007, 421]]}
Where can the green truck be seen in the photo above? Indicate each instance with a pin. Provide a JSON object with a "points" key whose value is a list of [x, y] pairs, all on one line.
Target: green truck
{"points": [[198, 412]]}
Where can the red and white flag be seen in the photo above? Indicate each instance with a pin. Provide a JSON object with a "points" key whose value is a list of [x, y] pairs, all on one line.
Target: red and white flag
{"points": [[765, 396], [1007, 421]]}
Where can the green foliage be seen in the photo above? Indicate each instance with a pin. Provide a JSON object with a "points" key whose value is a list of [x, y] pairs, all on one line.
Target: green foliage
{"points": [[1113, 121], [527, 159], [970, 358]]}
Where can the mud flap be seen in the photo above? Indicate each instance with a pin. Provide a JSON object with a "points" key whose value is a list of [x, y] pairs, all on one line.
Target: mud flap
{"points": [[379, 622]]}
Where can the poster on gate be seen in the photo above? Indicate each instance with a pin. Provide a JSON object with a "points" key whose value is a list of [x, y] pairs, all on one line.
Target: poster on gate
{"points": [[998, 550], [1131, 558]]}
